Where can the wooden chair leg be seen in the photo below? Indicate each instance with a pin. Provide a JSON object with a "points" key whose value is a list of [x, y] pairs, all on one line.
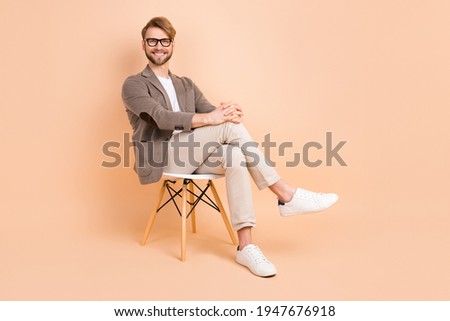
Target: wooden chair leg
{"points": [[183, 224], [153, 214], [193, 219], [223, 213]]}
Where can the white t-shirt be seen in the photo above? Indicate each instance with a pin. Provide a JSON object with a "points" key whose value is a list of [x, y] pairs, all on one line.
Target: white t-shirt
{"points": [[170, 90]]}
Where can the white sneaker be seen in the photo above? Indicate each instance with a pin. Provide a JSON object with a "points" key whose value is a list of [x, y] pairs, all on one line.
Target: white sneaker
{"points": [[252, 257], [305, 202]]}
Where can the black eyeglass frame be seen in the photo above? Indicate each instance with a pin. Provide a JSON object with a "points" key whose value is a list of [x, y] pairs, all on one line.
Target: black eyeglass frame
{"points": [[147, 40]]}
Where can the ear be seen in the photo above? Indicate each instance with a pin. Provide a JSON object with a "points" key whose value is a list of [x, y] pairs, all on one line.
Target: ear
{"points": [[143, 44]]}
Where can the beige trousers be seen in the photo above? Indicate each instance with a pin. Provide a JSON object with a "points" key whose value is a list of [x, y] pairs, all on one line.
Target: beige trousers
{"points": [[224, 149]]}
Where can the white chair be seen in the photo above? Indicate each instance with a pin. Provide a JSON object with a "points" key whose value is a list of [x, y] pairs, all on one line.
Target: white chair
{"points": [[189, 187]]}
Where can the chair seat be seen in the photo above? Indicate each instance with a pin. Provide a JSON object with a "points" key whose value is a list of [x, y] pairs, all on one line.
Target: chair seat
{"points": [[193, 176]]}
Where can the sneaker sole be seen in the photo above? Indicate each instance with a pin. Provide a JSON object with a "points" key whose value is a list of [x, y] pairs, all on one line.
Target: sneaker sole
{"points": [[254, 273]]}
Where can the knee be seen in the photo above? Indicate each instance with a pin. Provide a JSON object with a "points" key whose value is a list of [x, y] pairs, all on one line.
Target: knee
{"points": [[234, 127]]}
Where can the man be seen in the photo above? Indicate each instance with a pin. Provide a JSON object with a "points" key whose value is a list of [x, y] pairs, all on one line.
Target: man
{"points": [[167, 112]]}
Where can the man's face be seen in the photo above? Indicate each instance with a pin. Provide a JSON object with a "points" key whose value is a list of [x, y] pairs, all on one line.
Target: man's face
{"points": [[158, 54]]}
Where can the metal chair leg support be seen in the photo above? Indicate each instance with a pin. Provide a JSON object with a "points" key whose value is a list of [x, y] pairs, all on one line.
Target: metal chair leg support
{"points": [[193, 204]]}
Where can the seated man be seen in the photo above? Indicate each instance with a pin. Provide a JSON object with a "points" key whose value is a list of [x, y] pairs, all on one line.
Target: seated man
{"points": [[169, 113]]}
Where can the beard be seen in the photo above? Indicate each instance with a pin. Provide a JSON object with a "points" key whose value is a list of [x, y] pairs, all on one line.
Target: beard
{"points": [[158, 61]]}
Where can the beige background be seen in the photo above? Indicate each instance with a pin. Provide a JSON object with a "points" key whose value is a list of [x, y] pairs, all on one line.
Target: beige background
{"points": [[375, 73]]}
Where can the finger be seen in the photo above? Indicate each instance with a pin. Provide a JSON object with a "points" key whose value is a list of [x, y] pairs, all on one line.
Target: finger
{"points": [[224, 105], [228, 104], [230, 117], [233, 118], [236, 120], [236, 114], [238, 107], [230, 110]]}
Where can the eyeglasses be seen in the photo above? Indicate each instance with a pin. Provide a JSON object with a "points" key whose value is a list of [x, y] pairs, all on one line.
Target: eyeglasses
{"points": [[153, 42]]}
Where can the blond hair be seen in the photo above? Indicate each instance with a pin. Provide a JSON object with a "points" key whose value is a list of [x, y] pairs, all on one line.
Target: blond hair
{"points": [[161, 23]]}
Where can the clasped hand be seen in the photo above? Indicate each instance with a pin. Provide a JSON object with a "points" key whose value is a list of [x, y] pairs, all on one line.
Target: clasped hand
{"points": [[227, 112]]}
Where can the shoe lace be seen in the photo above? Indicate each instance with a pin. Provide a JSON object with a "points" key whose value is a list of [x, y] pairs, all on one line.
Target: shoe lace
{"points": [[256, 254]]}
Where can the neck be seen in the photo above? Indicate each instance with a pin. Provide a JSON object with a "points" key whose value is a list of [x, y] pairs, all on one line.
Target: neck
{"points": [[161, 71]]}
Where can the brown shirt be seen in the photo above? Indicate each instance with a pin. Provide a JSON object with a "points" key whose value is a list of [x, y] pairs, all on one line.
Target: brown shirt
{"points": [[153, 120]]}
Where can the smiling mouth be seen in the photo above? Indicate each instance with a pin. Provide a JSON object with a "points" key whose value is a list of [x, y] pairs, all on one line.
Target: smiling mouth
{"points": [[158, 54]]}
